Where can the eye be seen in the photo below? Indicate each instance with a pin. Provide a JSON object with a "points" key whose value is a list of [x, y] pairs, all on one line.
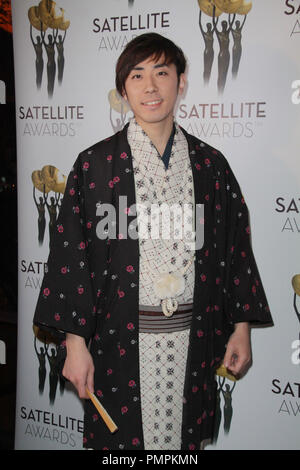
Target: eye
{"points": [[136, 76], [162, 72]]}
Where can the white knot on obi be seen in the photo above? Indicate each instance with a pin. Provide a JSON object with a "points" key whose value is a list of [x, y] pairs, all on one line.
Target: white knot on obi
{"points": [[170, 285]]}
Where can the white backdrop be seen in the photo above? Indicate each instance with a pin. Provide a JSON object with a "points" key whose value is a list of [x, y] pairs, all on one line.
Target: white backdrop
{"points": [[254, 122]]}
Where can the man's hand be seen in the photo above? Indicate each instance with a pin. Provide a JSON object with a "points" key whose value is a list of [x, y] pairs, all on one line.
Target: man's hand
{"points": [[238, 355], [79, 366]]}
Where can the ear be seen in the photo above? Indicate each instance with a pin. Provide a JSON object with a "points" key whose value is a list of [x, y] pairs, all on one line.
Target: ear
{"points": [[181, 83]]}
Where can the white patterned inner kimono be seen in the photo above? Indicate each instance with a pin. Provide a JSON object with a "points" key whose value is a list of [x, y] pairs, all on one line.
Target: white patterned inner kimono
{"points": [[162, 355]]}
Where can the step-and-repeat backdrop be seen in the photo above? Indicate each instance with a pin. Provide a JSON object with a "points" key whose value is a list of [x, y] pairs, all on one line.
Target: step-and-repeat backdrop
{"points": [[243, 97]]}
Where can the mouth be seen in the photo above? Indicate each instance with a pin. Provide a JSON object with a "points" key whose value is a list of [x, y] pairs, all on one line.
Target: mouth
{"points": [[153, 103]]}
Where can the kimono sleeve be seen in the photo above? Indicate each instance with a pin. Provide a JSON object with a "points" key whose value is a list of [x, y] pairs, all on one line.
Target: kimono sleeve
{"points": [[65, 302], [246, 299]]}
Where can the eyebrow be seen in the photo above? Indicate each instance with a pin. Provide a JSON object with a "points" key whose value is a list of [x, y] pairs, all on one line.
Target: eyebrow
{"points": [[156, 66]]}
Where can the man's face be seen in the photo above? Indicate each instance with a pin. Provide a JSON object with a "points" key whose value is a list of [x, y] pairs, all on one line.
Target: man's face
{"points": [[151, 89]]}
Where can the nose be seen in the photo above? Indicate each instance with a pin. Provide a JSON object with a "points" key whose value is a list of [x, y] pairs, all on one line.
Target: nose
{"points": [[150, 85]]}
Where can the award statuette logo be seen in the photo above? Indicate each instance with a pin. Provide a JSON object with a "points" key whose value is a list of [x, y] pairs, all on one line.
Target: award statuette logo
{"points": [[214, 9], [118, 107], [296, 287], [46, 180], [48, 16], [225, 391], [47, 357]]}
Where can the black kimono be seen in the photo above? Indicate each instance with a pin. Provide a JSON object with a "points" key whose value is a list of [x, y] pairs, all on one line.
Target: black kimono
{"points": [[92, 284]]}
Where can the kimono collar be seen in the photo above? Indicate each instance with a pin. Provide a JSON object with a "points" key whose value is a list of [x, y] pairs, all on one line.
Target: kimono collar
{"points": [[139, 141]]}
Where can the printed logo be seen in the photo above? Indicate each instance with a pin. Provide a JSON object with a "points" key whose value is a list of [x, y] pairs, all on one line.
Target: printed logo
{"points": [[292, 8], [290, 207], [48, 16], [224, 391], [48, 426], [296, 343], [229, 28], [48, 180], [224, 120], [48, 352], [222, 22], [290, 392], [114, 33], [34, 271], [50, 121], [118, 111]]}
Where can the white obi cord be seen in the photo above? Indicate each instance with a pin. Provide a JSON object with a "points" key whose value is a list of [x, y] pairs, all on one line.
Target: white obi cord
{"points": [[167, 286]]}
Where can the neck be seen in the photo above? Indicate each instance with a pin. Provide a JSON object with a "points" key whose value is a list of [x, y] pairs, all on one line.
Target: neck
{"points": [[158, 132]]}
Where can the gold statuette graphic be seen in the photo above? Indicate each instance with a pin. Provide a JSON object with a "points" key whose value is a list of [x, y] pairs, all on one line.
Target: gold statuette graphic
{"points": [[120, 106], [53, 15], [35, 21], [117, 102], [244, 8], [54, 178], [296, 284], [209, 8], [49, 179], [217, 7], [39, 183], [228, 6], [229, 29], [102, 411], [49, 15], [223, 372]]}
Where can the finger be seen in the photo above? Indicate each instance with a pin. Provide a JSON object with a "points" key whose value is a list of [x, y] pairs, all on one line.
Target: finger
{"points": [[240, 366], [81, 390], [235, 369], [233, 365], [228, 358], [90, 380], [65, 374]]}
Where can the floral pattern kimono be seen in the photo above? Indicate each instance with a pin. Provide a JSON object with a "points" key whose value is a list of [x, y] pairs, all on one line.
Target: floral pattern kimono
{"points": [[91, 287]]}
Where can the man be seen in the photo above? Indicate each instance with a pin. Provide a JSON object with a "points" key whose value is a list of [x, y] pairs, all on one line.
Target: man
{"points": [[146, 321]]}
